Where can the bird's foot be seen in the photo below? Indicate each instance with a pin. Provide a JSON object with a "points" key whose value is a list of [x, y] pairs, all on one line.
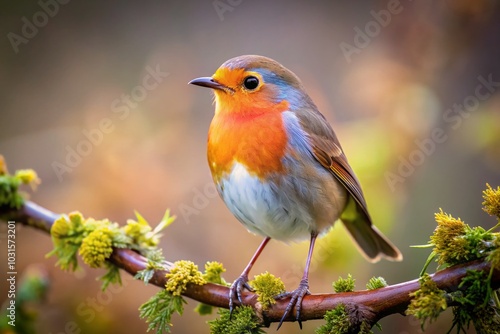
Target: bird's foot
{"points": [[236, 288], [296, 300]]}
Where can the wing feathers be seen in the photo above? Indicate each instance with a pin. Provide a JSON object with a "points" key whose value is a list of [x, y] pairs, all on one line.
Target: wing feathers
{"points": [[328, 152]]}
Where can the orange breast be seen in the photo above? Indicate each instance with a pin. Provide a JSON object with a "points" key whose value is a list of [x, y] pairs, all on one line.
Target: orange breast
{"points": [[255, 139]]}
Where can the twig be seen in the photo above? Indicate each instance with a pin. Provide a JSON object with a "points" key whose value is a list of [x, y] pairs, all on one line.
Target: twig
{"points": [[372, 305]]}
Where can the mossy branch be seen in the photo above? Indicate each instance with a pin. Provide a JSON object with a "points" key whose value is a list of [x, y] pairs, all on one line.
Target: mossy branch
{"points": [[372, 305]]}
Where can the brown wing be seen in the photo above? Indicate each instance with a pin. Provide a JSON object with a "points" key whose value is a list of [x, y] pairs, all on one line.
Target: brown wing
{"points": [[328, 152]]}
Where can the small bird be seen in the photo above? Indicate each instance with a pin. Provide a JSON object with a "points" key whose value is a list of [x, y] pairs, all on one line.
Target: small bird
{"points": [[279, 167]]}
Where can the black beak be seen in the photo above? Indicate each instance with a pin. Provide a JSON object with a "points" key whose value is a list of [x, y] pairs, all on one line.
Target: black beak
{"points": [[208, 82]]}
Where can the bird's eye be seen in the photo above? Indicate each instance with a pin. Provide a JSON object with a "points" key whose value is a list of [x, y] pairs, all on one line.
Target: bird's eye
{"points": [[251, 82]]}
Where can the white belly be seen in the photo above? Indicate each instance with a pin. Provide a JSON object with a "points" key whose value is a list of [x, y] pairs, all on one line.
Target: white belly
{"points": [[266, 209]]}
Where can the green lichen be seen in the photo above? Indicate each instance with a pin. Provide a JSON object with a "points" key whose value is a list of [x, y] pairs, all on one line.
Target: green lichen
{"points": [[95, 239], [474, 300], [428, 302], [10, 196], [242, 321], [491, 202], [27, 176], [456, 242], [144, 237], [182, 274], [213, 274], [267, 287], [67, 235], [337, 321], [97, 246], [476, 288], [376, 283], [494, 256], [344, 285], [448, 238]]}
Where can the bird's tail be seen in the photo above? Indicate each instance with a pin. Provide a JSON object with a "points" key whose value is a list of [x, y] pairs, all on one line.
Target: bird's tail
{"points": [[372, 243]]}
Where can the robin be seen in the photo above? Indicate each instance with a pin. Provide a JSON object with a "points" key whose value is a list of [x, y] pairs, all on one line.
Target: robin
{"points": [[279, 167]]}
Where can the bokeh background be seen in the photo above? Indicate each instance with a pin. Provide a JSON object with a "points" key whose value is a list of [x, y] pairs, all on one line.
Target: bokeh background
{"points": [[386, 86]]}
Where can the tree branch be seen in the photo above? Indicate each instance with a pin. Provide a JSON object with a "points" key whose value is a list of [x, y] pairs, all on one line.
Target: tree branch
{"points": [[371, 304]]}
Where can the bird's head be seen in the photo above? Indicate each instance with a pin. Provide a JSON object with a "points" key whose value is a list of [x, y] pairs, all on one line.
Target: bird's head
{"points": [[254, 84]]}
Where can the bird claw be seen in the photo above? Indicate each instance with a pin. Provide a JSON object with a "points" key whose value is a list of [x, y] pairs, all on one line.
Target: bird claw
{"points": [[237, 286], [296, 300]]}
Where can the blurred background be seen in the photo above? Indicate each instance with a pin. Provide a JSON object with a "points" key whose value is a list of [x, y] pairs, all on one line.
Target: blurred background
{"points": [[94, 97]]}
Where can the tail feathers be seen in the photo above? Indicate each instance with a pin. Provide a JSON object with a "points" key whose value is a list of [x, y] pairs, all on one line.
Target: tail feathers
{"points": [[372, 243]]}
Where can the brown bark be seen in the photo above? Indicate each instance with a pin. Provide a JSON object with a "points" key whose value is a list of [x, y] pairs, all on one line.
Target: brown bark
{"points": [[369, 305]]}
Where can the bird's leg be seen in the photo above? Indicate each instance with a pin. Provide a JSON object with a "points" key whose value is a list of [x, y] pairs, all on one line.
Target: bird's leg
{"points": [[242, 281], [303, 289]]}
